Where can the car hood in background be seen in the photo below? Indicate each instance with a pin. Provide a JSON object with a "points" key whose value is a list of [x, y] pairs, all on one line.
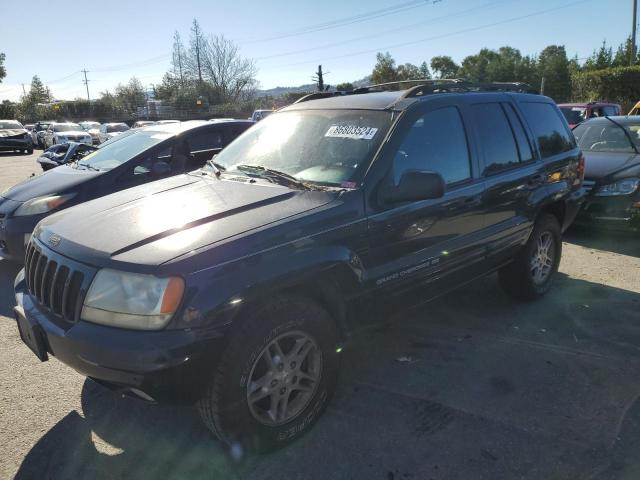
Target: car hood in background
{"points": [[12, 132], [48, 183], [601, 164], [159, 221]]}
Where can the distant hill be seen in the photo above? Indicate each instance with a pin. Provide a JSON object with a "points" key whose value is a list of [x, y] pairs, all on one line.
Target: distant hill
{"points": [[310, 87]]}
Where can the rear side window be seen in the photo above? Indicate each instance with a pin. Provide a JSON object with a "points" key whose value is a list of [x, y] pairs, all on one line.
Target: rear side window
{"points": [[548, 127], [496, 137], [436, 142], [524, 147], [209, 140], [611, 110]]}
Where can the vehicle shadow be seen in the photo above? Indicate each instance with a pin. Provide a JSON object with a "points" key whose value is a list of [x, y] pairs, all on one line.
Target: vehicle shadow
{"points": [[624, 243], [8, 272], [452, 386]]}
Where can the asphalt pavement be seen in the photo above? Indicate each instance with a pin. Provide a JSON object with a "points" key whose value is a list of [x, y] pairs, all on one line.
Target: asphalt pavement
{"points": [[470, 386]]}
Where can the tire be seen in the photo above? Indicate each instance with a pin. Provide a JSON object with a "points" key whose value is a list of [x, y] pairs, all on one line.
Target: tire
{"points": [[524, 281], [225, 407]]}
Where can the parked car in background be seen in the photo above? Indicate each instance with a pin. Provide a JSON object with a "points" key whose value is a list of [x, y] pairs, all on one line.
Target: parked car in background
{"points": [[612, 172], [29, 127], [136, 157], [236, 288], [635, 110], [89, 125], [167, 122], [576, 113], [65, 132], [63, 153], [39, 129], [143, 123], [14, 137], [220, 119], [260, 115], [109, 130]]}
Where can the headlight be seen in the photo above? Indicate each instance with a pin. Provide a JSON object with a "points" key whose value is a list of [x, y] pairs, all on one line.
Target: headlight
{"points": [[44, 204], [621, 187], [132, 300]]}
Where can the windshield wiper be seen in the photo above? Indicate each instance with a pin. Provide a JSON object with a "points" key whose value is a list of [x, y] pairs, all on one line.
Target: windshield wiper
{"points": [[87, 166], [276, 176], [216, 167], [627, 134]]}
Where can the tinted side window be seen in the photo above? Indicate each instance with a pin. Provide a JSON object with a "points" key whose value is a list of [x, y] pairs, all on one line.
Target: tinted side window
{"points": [[206, 141], [548, 127], [496, 137], [436, 142], [524, 148], [610, 110]]}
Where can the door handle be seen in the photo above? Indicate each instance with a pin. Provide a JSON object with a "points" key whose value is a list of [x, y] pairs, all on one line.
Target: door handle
{"points": [[536, 180]]}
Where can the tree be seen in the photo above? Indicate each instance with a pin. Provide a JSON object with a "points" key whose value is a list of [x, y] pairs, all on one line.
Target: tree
{"points": [[476, 68], [424, 71], [232, 75], [553, 66], [38, 93], [408, 71], [179, 58], [600, 59], [3, 70], [197, 46], [131, 95], [344, 87], [625, 55], [444, 67], [384, 70]]}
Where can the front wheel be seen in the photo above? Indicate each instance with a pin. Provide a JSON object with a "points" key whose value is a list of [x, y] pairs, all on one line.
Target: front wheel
{"points": [[531, 273], [276, 376]]}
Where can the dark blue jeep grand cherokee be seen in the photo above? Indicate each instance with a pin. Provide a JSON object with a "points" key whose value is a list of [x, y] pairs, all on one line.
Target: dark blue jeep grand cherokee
{"points": [[235, 285]]}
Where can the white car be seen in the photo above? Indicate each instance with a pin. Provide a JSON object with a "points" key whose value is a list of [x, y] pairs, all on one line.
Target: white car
{"points": [[92, 128], [59, 133], [110, 130]]}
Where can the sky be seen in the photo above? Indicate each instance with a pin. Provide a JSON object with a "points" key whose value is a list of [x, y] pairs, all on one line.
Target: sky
{"points": [[115, 40]]}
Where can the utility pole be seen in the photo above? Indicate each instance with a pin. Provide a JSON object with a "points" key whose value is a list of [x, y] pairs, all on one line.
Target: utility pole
{"points": [[24, 92], [542, 86], [319, 79], [634, 19], [86, 84]]}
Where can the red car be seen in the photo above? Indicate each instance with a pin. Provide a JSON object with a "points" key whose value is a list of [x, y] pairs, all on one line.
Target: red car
{"points": [[576, 113]]}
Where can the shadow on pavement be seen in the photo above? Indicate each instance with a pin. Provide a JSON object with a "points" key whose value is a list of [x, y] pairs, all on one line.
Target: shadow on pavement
{"points": [[625, 243], [471, 385], [8, 272]]}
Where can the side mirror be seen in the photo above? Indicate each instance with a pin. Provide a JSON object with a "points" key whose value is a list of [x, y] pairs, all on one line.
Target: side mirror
{"points": [[160, 169], [415, 185]]}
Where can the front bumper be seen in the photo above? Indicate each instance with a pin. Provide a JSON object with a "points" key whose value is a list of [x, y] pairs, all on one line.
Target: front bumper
{"points": [[14, 235], [618, 213], [167, 366], [10, 144]]}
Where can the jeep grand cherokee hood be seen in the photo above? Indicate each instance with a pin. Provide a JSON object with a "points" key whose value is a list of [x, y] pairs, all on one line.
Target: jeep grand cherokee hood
{"points": [[156, 222]]}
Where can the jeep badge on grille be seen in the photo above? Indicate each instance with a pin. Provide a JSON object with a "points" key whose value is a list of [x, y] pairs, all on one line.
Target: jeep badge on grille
{"points": [[54, 240]]}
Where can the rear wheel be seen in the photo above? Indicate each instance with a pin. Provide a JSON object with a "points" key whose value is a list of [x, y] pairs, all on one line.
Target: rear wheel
{"points": [[531, 273], [276, 376]]}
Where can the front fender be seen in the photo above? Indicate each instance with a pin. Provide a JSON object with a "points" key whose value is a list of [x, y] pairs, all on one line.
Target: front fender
{"points": [[220, 292]]}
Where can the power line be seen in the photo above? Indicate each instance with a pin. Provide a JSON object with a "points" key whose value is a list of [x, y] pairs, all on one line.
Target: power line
{"points": [[435, 37], [383, 12], [387, 32]]}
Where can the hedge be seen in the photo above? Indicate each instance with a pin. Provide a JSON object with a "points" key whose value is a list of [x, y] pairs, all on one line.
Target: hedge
{"points": [[620, 84]]}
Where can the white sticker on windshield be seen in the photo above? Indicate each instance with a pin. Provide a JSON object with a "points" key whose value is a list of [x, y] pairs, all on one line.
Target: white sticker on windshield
{"points": [[351, 131]]}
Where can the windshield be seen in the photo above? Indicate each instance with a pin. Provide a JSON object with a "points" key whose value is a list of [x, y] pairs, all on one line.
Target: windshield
{"points": [[607, 137], [112, 155], [120, 127], [66, 127], [10, 124], [318, 146], [574, 115]]}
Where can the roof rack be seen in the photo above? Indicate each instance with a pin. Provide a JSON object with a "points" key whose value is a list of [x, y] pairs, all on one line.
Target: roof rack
{"points": [[428, 86], [316, 96]]}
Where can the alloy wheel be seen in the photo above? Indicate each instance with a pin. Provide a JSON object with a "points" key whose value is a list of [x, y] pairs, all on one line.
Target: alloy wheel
{"points": [[543, 258]]}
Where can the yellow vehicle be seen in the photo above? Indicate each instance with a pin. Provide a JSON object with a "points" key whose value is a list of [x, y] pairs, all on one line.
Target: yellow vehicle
{"points": [[635, 110]]}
